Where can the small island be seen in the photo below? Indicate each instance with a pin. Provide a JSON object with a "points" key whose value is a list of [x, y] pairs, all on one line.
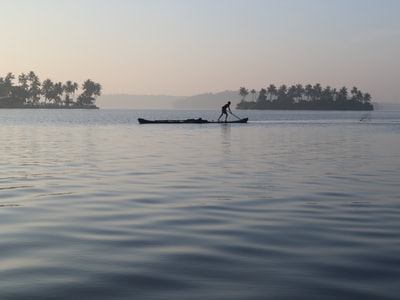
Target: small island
{"points": [[31, 93], [310, 97]]}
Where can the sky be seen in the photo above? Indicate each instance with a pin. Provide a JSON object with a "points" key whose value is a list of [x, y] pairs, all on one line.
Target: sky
{"points": [[189, 47]]}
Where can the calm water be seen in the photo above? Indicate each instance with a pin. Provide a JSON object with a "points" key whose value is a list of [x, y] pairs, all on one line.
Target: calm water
{"points": [[293, 205]]}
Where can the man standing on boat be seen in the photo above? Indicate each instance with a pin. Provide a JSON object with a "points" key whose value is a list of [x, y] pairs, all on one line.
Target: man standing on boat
{"points": [[225, 108]]}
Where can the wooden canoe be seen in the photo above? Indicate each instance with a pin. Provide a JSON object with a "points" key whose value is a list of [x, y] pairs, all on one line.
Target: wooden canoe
{"points": [[190, 121]]}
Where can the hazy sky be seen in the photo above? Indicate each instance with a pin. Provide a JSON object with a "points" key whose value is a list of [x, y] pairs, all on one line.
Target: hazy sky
{"points": [[187, 47]]}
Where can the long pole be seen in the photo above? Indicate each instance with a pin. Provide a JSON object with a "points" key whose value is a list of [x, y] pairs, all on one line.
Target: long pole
{"points": [[235, 116]]}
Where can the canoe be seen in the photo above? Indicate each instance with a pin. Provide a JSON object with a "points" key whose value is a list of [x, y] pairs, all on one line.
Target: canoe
{"points": [[189, 121]]}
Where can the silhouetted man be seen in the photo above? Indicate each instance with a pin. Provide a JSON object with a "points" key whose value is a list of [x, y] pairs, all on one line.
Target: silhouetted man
{"points": [[224, 110]]}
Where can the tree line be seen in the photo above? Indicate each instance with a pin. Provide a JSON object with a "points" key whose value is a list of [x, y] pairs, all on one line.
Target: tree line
{"points": [[312, 97], [27, 91]]}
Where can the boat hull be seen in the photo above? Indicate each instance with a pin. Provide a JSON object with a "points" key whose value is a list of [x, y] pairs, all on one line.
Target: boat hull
{"points": [[189, 121]]}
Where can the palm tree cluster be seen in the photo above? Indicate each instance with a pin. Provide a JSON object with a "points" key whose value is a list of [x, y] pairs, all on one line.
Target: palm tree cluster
{"points": [[308, 97], [31, 93]]}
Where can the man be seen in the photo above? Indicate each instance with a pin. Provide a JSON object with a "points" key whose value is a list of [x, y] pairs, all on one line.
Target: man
{"points": [[225, 108]]}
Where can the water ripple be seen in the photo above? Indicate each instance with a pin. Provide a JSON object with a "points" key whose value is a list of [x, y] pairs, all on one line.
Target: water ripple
{"points": [[96, 208]]}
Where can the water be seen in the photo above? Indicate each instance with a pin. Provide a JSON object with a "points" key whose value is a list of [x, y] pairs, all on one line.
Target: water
{"points": [[292, 205]]}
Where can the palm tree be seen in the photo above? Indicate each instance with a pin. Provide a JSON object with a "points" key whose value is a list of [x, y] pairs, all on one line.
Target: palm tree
{"points": [[309, 91], [90, 89], [23, 80], [272, 91], [34, 87], [299, 92], [354, 92], [359, 97], [22, 92], [334, 94], [367, 98], [291, 94], [342, 95], [327, 95], [58, 90], [1, 86], [70, 88], [282, 91], [243, 92], [47, 90], [253, 94], [262, 97], [7, 85], [317, 91]]}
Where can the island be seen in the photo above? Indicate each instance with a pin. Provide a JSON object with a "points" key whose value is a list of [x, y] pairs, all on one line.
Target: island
{"points": [[309, 97], [28, 92]]}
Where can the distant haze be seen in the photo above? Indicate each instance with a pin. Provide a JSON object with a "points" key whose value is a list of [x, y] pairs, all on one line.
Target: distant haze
{"points": [[208, 100], [116, 101], [201, 101]]}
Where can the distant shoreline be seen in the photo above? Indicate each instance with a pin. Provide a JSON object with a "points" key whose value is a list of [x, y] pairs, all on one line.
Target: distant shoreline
{"points": [[48, 107], [30, 92], [309, 97]]}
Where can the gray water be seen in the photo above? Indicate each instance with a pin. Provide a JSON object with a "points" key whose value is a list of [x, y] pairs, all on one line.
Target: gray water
{"points": [[292, 205]]}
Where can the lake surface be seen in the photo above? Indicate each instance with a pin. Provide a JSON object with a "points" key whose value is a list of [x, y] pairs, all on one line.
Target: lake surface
{"points": [[292, 205]]}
